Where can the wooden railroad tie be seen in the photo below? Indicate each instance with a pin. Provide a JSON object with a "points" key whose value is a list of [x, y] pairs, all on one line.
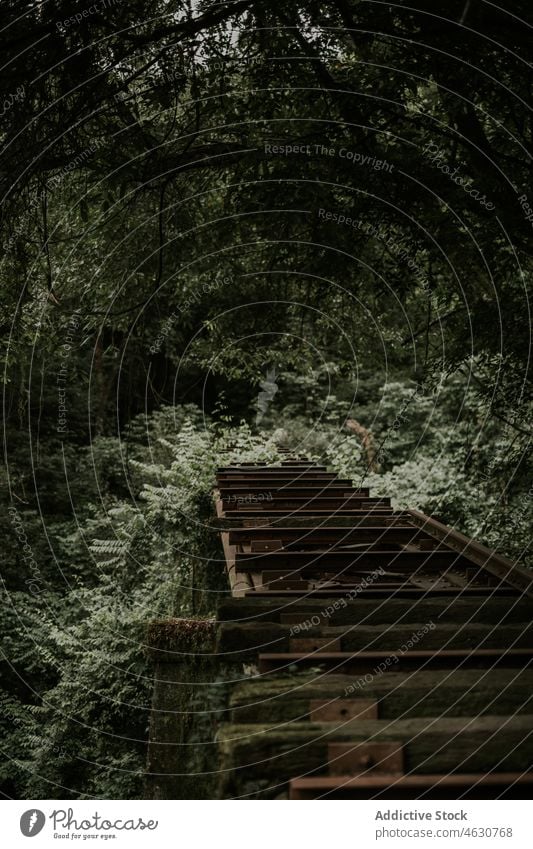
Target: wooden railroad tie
{"points": [[384, 654]]}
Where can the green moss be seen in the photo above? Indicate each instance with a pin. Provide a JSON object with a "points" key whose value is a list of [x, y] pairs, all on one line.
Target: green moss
{"points": [[168, 639]]}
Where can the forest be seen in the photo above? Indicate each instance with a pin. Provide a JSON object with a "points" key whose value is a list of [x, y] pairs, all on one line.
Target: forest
{"points": [[228, 227]]}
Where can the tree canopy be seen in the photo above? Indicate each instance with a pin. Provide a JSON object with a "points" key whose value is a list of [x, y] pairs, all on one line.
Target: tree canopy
{"points": [[226, 224], [260, 176]]}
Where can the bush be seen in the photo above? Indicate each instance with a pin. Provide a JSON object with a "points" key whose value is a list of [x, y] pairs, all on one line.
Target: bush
{"points": [[75, 722]]}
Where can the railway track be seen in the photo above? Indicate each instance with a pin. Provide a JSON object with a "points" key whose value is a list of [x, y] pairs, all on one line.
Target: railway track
{"points": [[386, 654]]}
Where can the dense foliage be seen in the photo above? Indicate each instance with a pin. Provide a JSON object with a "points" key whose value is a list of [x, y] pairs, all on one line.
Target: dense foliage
{"points": [[184, 181], [224, 225], [75, 723]]}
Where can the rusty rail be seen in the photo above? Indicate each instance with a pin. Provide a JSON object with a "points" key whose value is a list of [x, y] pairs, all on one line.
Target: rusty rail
{"points": [[326, 582]]}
